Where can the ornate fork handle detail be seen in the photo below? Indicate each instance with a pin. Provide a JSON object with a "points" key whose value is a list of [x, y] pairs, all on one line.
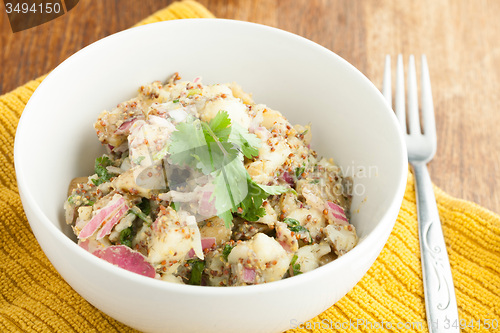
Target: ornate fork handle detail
{"points": [[421, 142], [440, 301], [436, 261]]}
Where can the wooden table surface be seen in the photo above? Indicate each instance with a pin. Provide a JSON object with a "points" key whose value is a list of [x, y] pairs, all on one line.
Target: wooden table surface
{"points": [[459, 37]]}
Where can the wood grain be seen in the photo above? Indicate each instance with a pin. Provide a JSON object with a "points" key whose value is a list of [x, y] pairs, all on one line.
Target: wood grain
{"points": [[459, 37]]}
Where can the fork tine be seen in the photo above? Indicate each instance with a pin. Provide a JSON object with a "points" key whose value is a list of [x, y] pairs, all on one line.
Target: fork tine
{"points": [[386, 85], [400, 94], [427, 104], [413, 118]]}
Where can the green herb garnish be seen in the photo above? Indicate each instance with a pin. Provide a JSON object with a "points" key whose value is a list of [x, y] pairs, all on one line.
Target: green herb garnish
{"points": [[295, 226], [126, 236], [145, 206], [299, 171], [226, 251], [294, 268], [142, 210], [217, 148], [174, 206], [137, 212], [81, 201], [252, 204], [197, 267], [100, 169]]}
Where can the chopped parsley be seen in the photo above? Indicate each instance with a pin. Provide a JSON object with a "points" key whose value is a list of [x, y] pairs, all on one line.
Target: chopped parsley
{"points": [[226, 251], [174, 206], [126, 236], [142, 211], [137, 212], [299, 171], [145, 206], [294, 268], [295, 226], [217, 148], [100, 169], [77, 199], [197, 267]]}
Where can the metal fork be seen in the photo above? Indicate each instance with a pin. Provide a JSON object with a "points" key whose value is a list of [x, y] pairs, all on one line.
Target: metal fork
{"points": [[440, 301]]}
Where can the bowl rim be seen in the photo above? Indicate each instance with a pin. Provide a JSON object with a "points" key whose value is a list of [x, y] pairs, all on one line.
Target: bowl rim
{"points": [[378, 232]]}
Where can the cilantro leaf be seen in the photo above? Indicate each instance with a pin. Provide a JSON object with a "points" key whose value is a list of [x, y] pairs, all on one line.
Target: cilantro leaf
{"points": [[221, 154], [227, 217], [299, 171], [226, 251], [145, 206], [174, 206], [197, 267], [126, 236], [295, 226], [230, 190], [294, 268], [137, 212], [217, 148], [100, 169], [249, 143], [251, 206], [221, 125], [189, 147], [274, 190]]}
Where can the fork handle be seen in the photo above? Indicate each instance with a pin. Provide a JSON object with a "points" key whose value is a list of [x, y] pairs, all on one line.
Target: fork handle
{"points": [[440, 301]]}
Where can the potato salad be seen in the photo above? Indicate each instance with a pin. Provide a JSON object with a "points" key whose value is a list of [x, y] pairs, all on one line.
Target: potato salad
{"points": [[200, 185]]}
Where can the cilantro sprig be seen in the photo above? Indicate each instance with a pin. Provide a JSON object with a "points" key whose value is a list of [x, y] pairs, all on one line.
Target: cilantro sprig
{"points": [[217, 148]]}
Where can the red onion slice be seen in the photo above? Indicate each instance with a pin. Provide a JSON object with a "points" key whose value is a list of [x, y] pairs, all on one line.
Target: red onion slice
{"points": [[102, 216], [124, 257], [336, 213]]}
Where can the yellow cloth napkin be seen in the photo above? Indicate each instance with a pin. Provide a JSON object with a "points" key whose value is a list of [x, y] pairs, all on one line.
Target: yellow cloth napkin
{"points": [[35, 298]]}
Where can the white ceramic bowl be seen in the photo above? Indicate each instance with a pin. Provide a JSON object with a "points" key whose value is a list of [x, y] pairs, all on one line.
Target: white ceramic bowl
{"points": [[55, 142]]}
